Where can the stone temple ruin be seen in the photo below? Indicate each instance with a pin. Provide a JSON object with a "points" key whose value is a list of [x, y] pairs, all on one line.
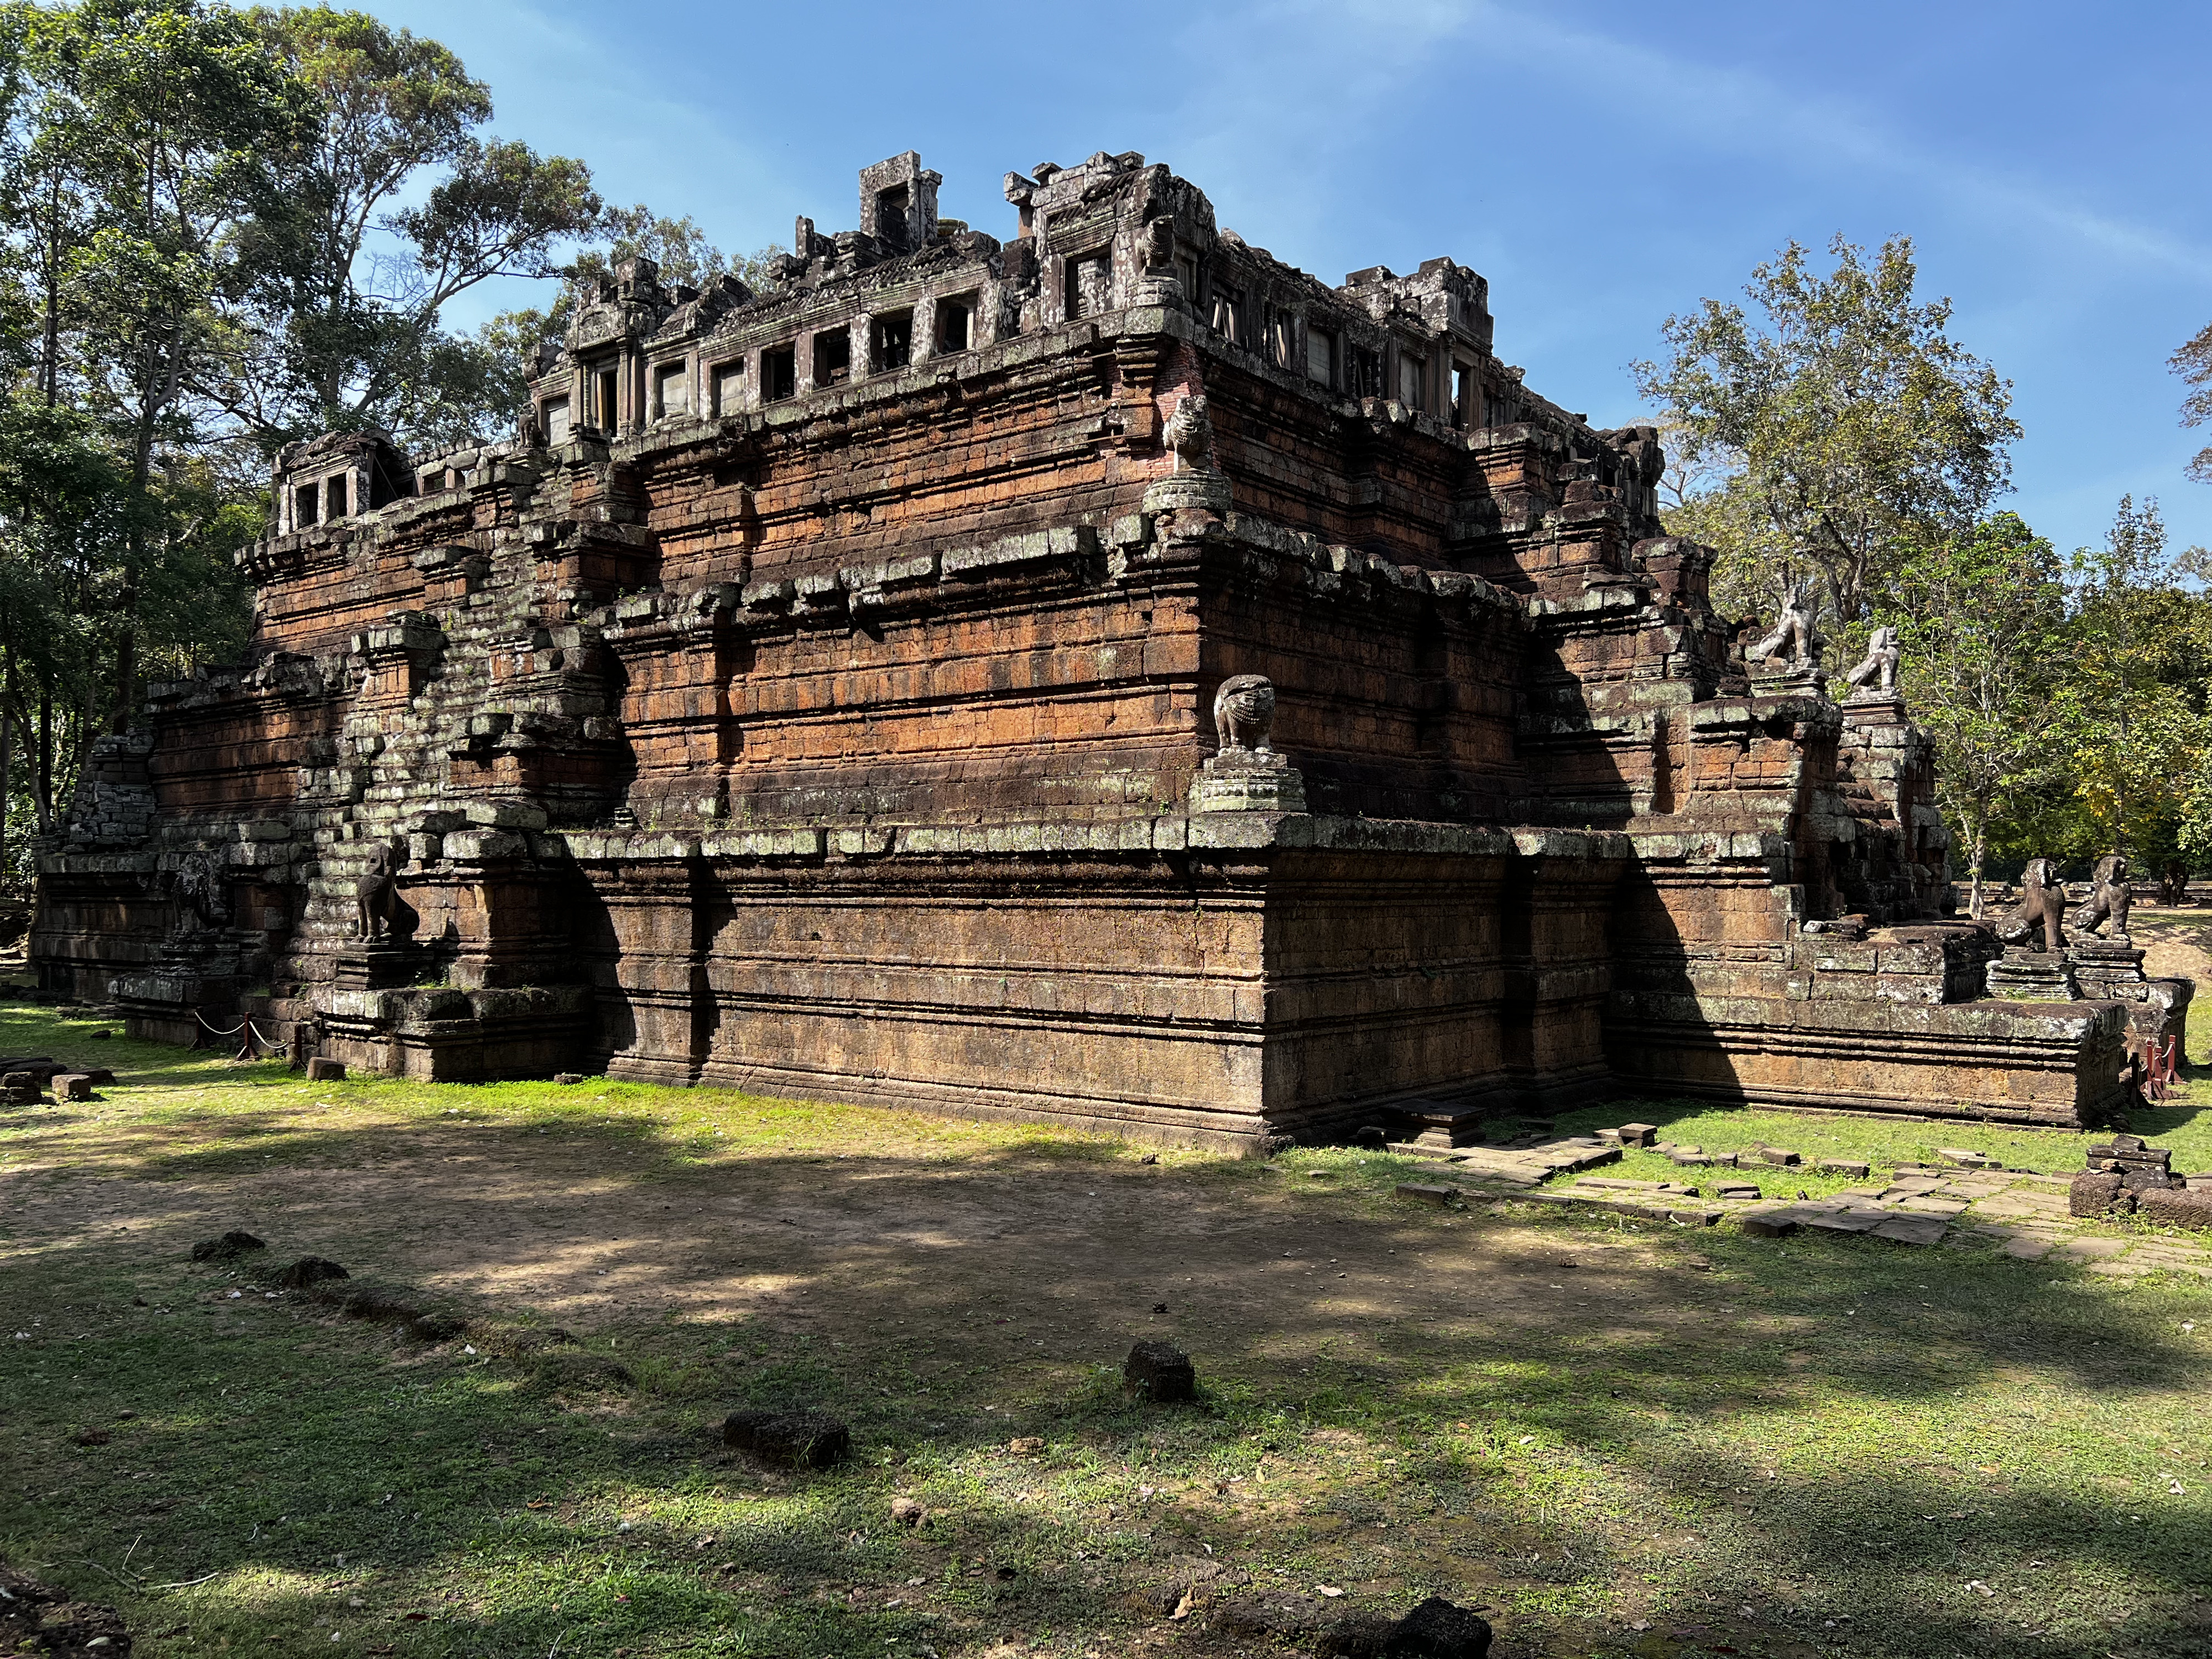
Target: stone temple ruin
{"points": [[1106, 676]]}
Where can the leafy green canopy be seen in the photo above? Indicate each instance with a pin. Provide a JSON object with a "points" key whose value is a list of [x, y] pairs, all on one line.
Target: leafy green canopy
{"points": [[1841, 427]]}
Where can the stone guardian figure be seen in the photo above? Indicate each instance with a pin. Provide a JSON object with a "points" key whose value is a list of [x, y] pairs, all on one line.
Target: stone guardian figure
{"points": [[2110, 894], [376, 895], [1877, 676], [2042, 907], [1188, 433], [1793, 638], [1244, 712]]}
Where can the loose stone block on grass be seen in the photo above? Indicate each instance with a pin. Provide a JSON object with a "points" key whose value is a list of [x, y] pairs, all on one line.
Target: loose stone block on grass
{"points": [[1160, 1372]]}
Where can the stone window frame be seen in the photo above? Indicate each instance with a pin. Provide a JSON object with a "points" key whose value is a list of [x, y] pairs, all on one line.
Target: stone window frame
{"points": [[337, 492], [785, 356], [547, 405], [829, 343], [1408, 357], [1225, 311], [307, 504], [967, 304], [1070, 282], [879, 358], [713, 377], [661, 375], [1330, 342]]}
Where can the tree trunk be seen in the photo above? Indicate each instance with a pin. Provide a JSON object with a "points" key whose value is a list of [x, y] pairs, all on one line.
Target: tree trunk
{"points": [[46, 775], [1974, 903]]}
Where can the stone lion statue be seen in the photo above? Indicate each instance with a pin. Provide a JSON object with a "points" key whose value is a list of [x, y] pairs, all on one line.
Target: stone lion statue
{"points": [[2042, 907], [376, 895], [1244, 712], [1793, 638], [1190, 432], [1877, 675], [2110, 896]]}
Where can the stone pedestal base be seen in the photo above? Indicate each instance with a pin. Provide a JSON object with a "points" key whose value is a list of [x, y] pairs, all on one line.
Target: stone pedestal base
{"points": [[2100, 964], [380, 965], [1248, 781], [1777, 679], [1876, 709], [1193, 490], [2111, 970], [2023, 975]]}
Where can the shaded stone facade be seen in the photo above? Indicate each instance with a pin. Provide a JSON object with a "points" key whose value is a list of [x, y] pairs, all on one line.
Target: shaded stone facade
{"points": [[817, 697]]}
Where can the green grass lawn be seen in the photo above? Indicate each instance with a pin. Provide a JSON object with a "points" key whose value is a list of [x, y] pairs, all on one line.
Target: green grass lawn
{"points": [[1618, 1438]]}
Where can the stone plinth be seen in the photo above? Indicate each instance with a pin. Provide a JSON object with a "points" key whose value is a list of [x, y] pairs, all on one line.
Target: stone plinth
{"points": [[381, 965], [1864, 710], [1777, 679], [1248, 781], [2111, 970], [2025, 975]]}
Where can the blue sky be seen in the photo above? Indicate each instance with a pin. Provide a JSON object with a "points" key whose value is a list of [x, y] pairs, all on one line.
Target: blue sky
{"points": [[1603, 166]]}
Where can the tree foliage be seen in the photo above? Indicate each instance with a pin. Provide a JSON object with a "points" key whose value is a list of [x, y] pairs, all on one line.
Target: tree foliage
{"points": [[1845, 423]]}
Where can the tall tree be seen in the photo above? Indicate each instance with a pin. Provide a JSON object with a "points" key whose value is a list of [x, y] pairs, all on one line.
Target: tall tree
{"points": [[1982, 621], [394, 204], [1848, 423], [2132, 706], [162, 115]]}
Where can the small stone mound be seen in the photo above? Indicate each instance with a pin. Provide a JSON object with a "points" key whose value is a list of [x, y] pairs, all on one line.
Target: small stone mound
{"points": [[1160, 1372], [310, 1270], [812, 1440], [435, 1327], [231, 1246], [1355, 1636], [1438, 1629], [36, 1618]]}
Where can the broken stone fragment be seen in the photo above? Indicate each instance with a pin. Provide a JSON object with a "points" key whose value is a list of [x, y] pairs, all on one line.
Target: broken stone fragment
{"points": [[320, 1070], [1424, 1192], [2096, 1194], [1160, 1372], [2175, 1207], [1846, 1166]]}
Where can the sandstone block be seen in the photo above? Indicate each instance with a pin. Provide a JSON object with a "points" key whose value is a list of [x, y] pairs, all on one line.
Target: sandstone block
{"points": [[321, 1070], [1160, 1372], [2095, 1193]]}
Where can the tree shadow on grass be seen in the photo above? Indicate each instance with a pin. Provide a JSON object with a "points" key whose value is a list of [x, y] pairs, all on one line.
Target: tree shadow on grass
{"points": [[1537, 1443]]}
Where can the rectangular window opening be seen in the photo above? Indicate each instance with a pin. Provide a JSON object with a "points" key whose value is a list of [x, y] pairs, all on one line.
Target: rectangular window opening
{"points": [[1363, 370], [334, 498], [671, 391], [729, 384], [1282, 336], [303, 507], [779, 373], [1412, 380], [1090, 284], [1228, 312], [954, 324], [554, 416], [1321, 357], [1464, 394], [890, 216], [833, 357], [890, 341], [606, 399]]}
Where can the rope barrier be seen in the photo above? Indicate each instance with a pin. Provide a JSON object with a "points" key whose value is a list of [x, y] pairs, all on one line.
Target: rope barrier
{"points": [[217, 1030]]}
